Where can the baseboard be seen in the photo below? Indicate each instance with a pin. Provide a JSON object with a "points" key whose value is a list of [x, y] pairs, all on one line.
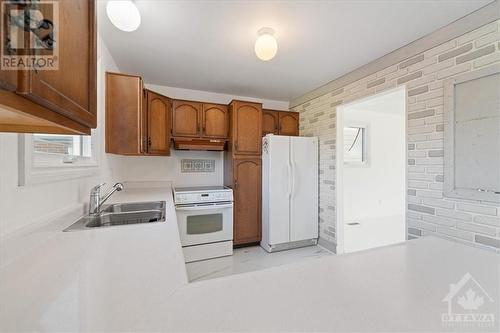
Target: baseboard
{"points": [[330, 246]]}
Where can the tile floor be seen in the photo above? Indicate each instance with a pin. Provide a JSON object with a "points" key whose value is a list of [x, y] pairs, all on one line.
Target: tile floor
{"points": [[249, 259]]}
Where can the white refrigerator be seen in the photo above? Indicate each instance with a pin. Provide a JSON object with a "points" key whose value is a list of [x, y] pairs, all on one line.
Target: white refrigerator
{"points": [[289, 192]]}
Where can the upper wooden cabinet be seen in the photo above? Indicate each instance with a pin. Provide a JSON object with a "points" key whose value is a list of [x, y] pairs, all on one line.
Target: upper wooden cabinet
{"points": [[214, 121], [199, 120], [62, 100], [158, 124], [270, 122], [289, 123], [137, 120], [246, 128], [186, 117], [124, 114]]}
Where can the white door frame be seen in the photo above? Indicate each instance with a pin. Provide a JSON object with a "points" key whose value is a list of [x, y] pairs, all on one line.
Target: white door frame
{"points": [[339, 164]]}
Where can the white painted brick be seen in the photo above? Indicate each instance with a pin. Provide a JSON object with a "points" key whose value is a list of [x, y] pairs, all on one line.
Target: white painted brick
{"points": [[430, 145], [489, 220], [417, 185], [478, 33], [439, 220], [436, 186], [438, 203], [487, 60], [430, 95], [452, 214], [477, 209], [429, 194], [421, 129], [422, 81], [421, 225], [480, 229], [416, 122], [416, 107], [487, 39], [453, 71], [455, 233], [441, 48], [435, 169], [415, 168], [439, 66], [422, 64], [417, 153]]}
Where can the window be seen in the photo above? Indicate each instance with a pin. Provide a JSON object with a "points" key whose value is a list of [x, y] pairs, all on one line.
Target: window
{"points": [[68, 147], [49, 157], [354, 141]]}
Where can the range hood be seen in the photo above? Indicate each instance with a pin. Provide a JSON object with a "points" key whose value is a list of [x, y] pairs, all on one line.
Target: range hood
{"points": [[199, 144]]}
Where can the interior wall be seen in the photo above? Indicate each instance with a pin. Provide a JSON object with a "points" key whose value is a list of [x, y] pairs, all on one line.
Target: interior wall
{"points": [[476, 223], [21, 206], [374, 193]]}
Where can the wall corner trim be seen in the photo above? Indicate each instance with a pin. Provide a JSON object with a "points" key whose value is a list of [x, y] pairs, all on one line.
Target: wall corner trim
{"points": [[484, 15]]}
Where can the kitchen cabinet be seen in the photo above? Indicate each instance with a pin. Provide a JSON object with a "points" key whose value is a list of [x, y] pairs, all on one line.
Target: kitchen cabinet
{"points": [[214, 121], [124, 114], [246, 128], [242, 169], [247, 200], [62, 100], [137, 120], [270, 122], [288, 123], [158, 124], [186, 118]]}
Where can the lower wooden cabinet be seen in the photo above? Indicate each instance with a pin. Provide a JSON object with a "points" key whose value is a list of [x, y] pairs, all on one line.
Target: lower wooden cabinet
{"points": [[246, 184], [138, 121]]}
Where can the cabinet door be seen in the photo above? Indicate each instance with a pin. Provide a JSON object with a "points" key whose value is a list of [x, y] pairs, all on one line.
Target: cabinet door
{"points": [[247, 128], [158, 115], [186, 119], [270, 121], [247, 200], [289, 123], [70, 90], [215, 122], [124, 116]]}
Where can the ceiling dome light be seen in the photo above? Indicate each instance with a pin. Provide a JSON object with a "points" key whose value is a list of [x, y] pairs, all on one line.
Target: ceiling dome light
{"points": [[266, 45], [123, 14]]}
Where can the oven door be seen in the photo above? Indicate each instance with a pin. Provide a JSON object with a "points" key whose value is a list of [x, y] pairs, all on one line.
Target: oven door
{"points": [[205, 223]]}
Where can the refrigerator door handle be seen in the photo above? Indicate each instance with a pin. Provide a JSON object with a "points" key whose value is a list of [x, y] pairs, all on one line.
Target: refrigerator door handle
{"points": [[289, 174], [292, 173]]}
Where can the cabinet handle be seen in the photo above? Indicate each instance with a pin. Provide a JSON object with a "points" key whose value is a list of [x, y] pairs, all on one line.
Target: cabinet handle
{"points": [[236, 145], [235, 184], [149, 142]]}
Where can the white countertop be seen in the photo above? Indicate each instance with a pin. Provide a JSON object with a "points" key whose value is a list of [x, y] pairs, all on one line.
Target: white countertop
{"points": [[133, 278]]}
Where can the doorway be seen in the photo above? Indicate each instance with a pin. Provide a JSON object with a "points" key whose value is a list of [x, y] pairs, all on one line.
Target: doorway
{"points": [[371, 172]]}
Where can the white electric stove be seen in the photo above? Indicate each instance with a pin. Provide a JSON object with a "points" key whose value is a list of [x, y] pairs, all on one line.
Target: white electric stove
{"points": [[205, 219]]}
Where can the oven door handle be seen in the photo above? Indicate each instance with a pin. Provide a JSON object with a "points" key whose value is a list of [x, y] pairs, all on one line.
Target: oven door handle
{"points": [[208, 207]]}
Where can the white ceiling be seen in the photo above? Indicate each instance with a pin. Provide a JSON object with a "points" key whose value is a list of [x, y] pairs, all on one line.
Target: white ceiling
{"points": [[208, 45]]}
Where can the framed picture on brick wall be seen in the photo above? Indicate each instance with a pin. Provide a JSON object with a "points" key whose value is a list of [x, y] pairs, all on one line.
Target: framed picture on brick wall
{"points": [[472, 135]]}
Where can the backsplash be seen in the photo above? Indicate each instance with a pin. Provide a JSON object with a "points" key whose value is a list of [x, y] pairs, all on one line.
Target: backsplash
{"points": [[428, 211]]}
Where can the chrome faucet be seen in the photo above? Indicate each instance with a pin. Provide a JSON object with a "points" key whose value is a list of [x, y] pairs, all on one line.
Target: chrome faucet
{"points": [[95, 197]]}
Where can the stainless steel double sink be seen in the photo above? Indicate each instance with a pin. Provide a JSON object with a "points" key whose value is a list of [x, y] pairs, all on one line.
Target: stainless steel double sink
{"points": [[122, 214]]}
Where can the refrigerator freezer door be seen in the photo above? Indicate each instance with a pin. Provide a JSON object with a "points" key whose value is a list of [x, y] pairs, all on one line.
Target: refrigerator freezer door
{"points": [[304, 196], [276, 189]]}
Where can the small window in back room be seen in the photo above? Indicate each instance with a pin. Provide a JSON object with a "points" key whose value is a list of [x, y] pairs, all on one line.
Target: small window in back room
{"points": [[77, 146], [353, 144]]}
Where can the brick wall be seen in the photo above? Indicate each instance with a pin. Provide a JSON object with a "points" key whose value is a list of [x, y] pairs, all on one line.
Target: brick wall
{"points": [[429, 212]]}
